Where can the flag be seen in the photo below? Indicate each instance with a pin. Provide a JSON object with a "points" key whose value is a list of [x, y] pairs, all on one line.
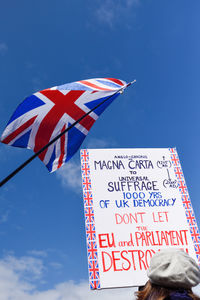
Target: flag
{"points": [[46, 114]]}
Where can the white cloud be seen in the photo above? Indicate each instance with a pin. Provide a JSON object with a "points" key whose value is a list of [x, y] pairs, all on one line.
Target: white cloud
{"points": [[15, 284], [12, 272], [38, 253], [109, 11], [37, 84], [71, 291], [11, 287], [25, 265], [99, 143], [129, 3], [3, 48], [55, 265], [105, 13], [70, 175], [4, 217]]}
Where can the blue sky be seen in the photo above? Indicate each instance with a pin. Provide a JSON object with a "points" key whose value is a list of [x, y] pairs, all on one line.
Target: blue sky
{"points": [[47, 43]]}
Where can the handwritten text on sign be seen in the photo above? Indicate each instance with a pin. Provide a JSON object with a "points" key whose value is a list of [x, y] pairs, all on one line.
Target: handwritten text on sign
{"points": [[136, 208]]}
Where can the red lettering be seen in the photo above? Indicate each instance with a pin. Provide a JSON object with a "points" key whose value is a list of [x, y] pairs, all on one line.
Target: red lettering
{"points": [[126, 259], [129, 218], [118, 221], [133, 259], [127, 243], [160, 216], [150, 254], [119, 261], [105, 240], [141, 256], [104, 261], [115, 259], [137, 237]]}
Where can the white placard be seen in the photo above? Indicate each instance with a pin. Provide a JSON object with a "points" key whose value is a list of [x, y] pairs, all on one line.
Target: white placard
{"points": [[136, 202]]}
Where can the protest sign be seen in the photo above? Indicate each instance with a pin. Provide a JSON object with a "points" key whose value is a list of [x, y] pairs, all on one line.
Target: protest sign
{"points": [[136, 202]]}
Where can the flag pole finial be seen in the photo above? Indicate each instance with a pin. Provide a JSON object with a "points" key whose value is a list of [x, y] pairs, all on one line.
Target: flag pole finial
{"points": [[127, 85], [131, 82]]}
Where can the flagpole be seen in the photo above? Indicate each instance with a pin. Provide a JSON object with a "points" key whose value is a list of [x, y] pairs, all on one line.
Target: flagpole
{"points": [[58, 136]]}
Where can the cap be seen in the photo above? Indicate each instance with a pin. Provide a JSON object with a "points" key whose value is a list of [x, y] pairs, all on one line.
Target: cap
{"points": [[173, 268]]}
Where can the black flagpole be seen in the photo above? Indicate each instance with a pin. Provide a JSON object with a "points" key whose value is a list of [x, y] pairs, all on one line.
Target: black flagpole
{"points": [[58, 136]]}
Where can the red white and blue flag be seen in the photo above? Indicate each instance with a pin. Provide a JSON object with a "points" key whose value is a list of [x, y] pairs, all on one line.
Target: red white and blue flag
{"points": [[45, 114]]}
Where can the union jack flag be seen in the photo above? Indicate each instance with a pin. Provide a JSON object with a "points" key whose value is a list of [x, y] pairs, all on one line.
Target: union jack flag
{"points": [[197, 250], [89, 215], [179, 173], [88, 198], [84, 155], [86, 183], [92, 250], [90, 231], [195, 234], [175, 159], [182, 187], [85, 169], [93, 269], [95, 284], [190, 217], [44, 115], [186, 202]]}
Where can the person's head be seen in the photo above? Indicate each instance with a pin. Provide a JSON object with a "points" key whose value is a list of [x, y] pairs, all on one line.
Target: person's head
{"points": [[170, 270]]}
